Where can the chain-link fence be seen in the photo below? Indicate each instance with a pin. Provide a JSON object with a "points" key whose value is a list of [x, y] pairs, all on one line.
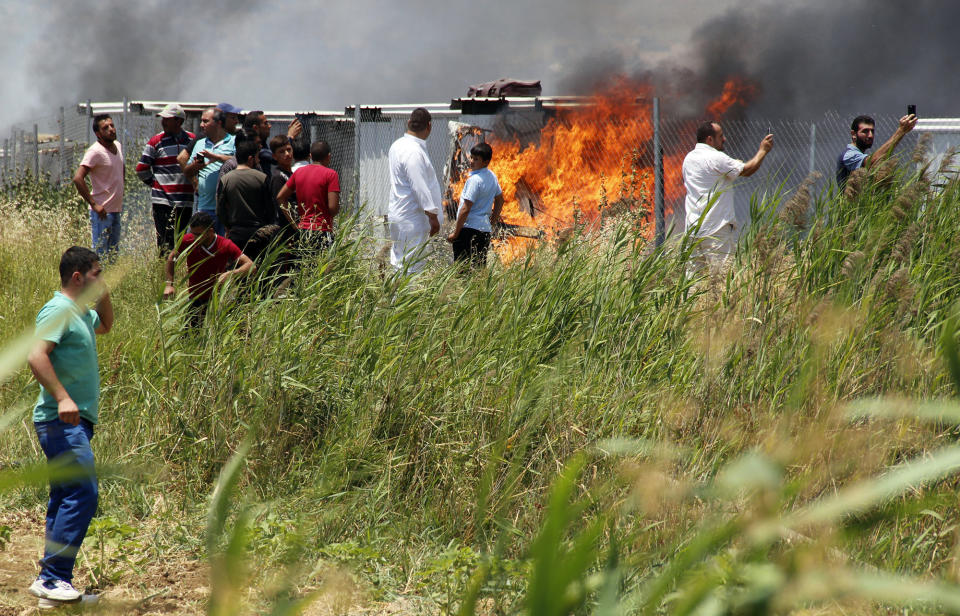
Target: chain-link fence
{"points": [[556, 163]]}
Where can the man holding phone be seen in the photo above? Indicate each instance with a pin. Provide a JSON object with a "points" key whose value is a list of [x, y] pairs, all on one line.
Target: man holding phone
{"points": [[207, 157], [861, 140]]}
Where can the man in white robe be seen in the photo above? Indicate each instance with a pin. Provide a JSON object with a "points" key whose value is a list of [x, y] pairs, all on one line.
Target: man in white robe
{"points": [[414, 210]]}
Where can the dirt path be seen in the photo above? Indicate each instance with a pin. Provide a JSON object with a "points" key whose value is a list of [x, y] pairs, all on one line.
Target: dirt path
{"points": [[171, 588], [162, 588]]}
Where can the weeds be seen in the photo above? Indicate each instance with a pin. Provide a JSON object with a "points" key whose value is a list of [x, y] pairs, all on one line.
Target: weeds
{"points": [[587, 430]]}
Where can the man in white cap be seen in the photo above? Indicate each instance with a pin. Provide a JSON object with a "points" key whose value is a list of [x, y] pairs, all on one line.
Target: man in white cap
{"points": [[414, 211], [171, 193]]}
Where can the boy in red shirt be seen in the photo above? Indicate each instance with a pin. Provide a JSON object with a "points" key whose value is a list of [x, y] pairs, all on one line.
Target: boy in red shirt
{"points": [[208, 258], [317, 187]]}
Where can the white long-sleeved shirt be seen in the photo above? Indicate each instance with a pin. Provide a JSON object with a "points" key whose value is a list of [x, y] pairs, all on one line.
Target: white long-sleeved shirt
{"points": [[414, 190], [708, 176]]}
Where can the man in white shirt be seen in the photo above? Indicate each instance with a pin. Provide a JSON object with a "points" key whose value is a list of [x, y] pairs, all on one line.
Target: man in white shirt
{"points": [[414, 211], [708, 176]]}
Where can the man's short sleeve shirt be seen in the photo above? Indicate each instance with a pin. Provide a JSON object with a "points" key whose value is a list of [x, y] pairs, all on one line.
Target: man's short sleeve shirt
{"points": [[206, 263], [849, 161], [708, 176], [74, 358], [481, 189], [313, 184], [106, 175], [209, 175]]}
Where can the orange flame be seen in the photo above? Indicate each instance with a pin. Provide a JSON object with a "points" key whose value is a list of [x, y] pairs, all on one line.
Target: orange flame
{"points": [[590, 159], [736, 91]]}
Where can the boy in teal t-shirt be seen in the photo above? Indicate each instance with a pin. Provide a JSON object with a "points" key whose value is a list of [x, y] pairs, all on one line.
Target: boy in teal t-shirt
{"points": [[64, 361]]}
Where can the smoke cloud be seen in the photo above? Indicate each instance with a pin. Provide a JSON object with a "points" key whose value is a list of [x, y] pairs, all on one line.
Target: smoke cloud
{"points": [[852, 57], [113, 49], [805, 57]]}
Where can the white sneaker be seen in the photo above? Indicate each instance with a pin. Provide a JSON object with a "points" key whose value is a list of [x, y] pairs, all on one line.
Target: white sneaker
{"points": [[60, 591], [84, 600]]}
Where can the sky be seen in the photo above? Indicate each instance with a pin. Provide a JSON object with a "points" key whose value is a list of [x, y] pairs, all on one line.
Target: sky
{"points": [[303, 54], [804, 56]]}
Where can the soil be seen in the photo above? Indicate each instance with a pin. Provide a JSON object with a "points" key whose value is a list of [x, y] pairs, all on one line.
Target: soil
{"points": [[163, 589], [171, 588]]}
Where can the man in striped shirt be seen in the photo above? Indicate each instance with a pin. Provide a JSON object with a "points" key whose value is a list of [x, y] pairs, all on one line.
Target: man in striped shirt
{"points": [[171, 192]]}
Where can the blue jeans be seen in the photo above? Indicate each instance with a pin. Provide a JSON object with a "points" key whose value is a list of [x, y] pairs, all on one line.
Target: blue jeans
{"points": [[73, 499], [105, 233]]}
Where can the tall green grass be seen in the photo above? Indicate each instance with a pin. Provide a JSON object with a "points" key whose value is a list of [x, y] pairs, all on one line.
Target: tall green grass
{"points": [[410, 430]]}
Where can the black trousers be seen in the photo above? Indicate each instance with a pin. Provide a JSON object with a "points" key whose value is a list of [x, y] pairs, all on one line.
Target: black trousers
{"points": [[240, 236], [472, 246], [170, 222]]}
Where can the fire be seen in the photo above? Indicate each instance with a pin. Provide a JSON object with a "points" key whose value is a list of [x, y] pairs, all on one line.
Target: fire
{"points": [[736, 91], [591, 160]]}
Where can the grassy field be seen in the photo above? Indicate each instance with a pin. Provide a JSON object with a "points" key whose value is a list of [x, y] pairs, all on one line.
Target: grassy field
{"points": [[586, 431]]}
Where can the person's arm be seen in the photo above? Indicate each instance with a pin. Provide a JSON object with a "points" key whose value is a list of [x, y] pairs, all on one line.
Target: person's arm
{"points": [[294, 130], [462, 215], [214, 156], [193, 167], [169, 268], [423, 191], [223, 206], [104, 308], [333, 202], [42, 368], [497, 207], [244, 266], [750, 167], [145, 166], [907, 123], [80, 182], [283, 198]]}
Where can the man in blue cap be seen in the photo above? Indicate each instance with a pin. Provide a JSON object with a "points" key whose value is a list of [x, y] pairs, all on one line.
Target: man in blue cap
{"points": [[231, 117]]}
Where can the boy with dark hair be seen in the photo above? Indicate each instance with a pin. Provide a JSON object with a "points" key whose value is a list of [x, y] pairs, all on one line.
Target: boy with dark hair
{"points": [[480, 206], [64, 362], [301, 153], [282, 149], [243, 199], [317, 187], [208, 258]]}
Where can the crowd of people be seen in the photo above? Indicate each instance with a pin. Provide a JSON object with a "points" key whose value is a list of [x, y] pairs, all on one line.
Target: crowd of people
{"points": [[217, 197], [709, 174]]}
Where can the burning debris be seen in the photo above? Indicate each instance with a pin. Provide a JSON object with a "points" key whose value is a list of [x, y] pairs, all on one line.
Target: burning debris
{"points": [[586, 160]]}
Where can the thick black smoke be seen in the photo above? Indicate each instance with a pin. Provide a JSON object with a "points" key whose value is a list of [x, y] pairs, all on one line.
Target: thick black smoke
{"points": [[859, 56], [140, 50]]}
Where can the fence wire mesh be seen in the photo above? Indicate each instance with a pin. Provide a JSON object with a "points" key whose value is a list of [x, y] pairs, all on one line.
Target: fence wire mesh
{"points": [[554, 166]]}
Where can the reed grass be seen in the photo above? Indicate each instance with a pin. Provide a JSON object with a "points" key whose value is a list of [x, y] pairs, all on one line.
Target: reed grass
{"points": [[586, 431]]}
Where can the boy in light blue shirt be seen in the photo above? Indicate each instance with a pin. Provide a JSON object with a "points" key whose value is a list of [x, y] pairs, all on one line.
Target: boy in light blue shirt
{"points": [[480, 206]]}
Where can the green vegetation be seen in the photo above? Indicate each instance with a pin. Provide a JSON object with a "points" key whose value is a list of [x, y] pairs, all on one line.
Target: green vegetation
{"points": [[586, 431]]}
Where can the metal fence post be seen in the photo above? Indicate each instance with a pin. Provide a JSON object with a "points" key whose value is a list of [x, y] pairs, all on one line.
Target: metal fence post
{"points": [[89, 121], [123, 120], [61, 170], [356, 159], [813, 147], [657, 176], [6, 158], [36, 151]]}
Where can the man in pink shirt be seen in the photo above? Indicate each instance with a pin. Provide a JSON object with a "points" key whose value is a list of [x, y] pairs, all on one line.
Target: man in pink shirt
{"points": [[103, 162]]}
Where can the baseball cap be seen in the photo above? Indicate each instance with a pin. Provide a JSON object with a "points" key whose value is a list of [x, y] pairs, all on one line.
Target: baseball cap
{"points": [[228, 108], [173, 110]]}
